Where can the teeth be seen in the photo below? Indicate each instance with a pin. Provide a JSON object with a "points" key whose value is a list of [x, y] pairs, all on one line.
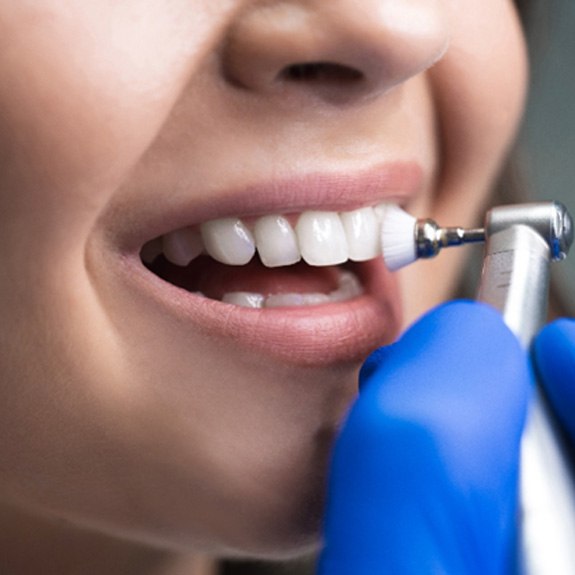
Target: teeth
{"points": [[276, 241], [349, 287], [362, 231], [296, 299], [182, 246], [244, 299], [321, 238], [228, 241]]}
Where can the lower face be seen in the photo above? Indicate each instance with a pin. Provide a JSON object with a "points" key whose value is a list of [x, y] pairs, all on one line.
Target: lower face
{"points": [[143, 395]]}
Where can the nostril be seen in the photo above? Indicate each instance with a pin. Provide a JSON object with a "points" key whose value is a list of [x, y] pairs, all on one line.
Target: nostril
{"points": [[310, 48], [321, 72]]}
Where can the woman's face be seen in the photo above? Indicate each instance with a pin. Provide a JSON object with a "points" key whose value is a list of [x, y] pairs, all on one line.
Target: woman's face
{"points": [[161, 413]]}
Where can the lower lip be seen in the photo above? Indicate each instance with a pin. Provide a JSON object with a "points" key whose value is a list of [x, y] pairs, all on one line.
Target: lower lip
{"points": [[316, 335]]}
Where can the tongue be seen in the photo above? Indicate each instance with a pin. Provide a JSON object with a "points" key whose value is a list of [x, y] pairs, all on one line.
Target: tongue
{"points": [[214, 279]]}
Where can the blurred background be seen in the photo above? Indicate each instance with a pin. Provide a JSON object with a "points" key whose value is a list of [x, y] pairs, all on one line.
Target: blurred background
{"points": [[548, 135]]}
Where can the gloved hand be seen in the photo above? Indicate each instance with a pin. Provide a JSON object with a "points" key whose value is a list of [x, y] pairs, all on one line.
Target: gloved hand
{"points": [[424, 476], [554, 352]]}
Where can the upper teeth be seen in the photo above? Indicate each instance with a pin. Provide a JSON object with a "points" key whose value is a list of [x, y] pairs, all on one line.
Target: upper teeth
{"points": [[321, 238]]}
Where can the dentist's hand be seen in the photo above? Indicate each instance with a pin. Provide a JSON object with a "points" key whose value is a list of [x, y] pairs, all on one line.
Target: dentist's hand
{"points": [[424, 476], [554, 352]]}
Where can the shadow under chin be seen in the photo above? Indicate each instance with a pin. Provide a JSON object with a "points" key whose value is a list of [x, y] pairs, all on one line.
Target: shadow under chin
{"points": [[293, 548]]}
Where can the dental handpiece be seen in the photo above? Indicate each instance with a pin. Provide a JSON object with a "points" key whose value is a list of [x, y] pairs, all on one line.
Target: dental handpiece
{"points": [[521, 241]]}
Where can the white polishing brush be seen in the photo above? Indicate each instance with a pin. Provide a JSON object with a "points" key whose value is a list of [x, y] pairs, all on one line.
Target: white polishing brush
{"points": [[405, 238]]}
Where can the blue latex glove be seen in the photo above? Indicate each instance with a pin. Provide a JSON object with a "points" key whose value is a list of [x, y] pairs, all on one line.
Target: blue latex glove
{"points": [[554, 352], [424, 473]]}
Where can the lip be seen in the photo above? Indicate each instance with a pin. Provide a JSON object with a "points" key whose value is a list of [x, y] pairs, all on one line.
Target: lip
{"points": [[305, 336], [396, 182], [320, 335]]}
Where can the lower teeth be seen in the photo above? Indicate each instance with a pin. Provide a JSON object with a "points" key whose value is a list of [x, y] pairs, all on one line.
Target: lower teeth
{"points": [[349, 288]]}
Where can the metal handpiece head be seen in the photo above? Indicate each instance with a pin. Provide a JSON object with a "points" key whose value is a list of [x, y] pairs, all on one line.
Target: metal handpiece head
{"points": [[551, 220], [563, 232], [430, 238]]}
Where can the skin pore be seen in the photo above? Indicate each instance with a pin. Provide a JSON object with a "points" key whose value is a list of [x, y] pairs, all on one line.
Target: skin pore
{"points": [[142, 426]]}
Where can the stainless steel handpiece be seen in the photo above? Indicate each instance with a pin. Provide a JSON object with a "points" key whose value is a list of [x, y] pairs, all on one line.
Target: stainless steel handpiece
{"points": [[522, 240]]}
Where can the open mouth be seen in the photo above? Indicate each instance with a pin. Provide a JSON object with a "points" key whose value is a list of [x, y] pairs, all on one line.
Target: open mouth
{"points": [[272, 261]]}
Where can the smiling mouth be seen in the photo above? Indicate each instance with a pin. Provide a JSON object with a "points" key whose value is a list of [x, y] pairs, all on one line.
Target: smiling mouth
{"points": [[273, 261]]}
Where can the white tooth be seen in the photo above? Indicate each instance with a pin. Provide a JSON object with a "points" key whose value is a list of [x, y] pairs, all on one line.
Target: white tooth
{"points": [[296, 299], [362, 231], [228, 241], [349, 287], [321, 238], [151, 250], [244, 299], [381, 209], [276, 241], [182, 246]]}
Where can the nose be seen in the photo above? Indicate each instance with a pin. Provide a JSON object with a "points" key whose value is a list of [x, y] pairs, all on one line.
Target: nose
{"points": [[334, 48]]}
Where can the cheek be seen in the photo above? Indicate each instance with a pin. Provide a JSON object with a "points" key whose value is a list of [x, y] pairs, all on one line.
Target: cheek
{"points": [[478, 92], [84, 90], [479, 89]]}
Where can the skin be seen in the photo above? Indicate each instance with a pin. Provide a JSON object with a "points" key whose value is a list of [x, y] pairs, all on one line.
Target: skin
{"points": [[131, 441]]}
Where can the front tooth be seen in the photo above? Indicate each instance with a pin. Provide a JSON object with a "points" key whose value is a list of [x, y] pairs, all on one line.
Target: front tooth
{"points": [[321, 238], [182, 246], [276, 241], [362, 233], [228, 241]]}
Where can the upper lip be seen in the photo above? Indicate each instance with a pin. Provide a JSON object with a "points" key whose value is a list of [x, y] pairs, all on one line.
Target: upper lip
{"points": [[393, 182]]}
